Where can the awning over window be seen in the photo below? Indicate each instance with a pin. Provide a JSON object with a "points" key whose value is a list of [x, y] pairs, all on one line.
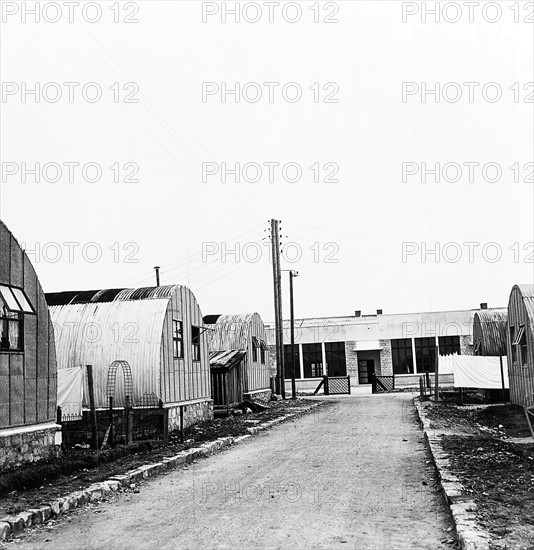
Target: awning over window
{"points": [[15, 299], [263, 345]]}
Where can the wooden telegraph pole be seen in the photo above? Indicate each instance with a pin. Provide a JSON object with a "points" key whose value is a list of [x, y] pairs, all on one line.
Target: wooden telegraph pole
{"points": [[277, 281]]}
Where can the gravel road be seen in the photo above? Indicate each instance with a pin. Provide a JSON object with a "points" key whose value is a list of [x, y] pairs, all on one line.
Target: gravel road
{"points": [[355, 475]]}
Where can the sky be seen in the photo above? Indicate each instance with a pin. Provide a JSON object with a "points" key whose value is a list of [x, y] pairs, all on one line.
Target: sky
{"points": [[135, 154]]}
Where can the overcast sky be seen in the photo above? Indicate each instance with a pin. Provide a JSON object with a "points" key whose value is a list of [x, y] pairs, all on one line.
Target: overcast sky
{"points": [[345, 233]]}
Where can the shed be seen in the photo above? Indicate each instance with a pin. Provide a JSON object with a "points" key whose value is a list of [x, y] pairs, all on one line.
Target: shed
{"points": [[227, 377], [244, 332], [489, 332], [156, 335], [520, 343], [27, 361]]}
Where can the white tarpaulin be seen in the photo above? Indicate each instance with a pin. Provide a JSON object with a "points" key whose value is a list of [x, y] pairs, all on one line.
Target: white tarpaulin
{"points": [[474, 371], [70, 390]]}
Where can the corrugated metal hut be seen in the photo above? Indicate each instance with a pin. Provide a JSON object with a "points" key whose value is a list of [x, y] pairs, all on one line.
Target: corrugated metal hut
{"points": [[244, 332], [157, 331], [489, 332], [27, 361], [520, 341]]}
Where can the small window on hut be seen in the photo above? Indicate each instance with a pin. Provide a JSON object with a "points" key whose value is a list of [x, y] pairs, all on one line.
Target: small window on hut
{"points": [[177, 338], [523, 347], [11, 330], [255, 346], [195, 339], [263, 349], [512, 341]]}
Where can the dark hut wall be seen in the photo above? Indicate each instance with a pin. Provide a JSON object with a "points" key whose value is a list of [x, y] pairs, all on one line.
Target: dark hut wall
{"points": [[521, 377], [28, 378], [183, 379]]}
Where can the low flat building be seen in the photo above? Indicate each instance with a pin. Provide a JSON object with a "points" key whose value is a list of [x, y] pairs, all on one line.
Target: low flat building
{"points": [[402, 344]]}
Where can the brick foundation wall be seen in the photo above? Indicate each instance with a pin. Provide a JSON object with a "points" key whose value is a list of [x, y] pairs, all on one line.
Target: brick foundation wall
{"points": [[195, 412], [20, 446]]}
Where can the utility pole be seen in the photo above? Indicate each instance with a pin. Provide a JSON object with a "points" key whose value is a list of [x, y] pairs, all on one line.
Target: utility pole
{"points": [[292, 313], [277, 281], [157, 275]]}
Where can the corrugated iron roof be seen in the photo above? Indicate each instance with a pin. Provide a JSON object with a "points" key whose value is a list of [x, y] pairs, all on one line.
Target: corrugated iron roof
{"points": [[490, 329], [110, 295], [527, 293], [226, 359]]}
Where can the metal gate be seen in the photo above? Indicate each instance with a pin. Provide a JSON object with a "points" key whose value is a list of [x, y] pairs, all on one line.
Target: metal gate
{"points": [[334, 385], [383, 384]]}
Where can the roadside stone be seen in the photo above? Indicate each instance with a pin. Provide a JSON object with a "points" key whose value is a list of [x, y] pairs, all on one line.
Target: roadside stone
{"points": [[5, 530], [37, 517]]}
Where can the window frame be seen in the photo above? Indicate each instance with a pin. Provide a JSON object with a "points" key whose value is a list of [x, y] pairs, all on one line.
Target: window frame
{"points": [[176, 339], [455, 346], [195, 344], [8, 321], [408, 357]]}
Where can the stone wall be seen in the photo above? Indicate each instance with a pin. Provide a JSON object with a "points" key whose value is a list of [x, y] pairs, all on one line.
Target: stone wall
{"points": [[194, 412], [29, 444], [465, 345], [351, 358], [386, 363], [261, 395]]}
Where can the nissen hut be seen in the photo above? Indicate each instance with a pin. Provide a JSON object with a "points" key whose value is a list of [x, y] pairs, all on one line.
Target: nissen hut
{"points": [[28, 430], [490, 327], [149, 343], [238, 343], [520, 341]]}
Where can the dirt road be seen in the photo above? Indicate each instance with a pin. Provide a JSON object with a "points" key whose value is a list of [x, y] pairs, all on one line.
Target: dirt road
{"points": [[352, 476]]}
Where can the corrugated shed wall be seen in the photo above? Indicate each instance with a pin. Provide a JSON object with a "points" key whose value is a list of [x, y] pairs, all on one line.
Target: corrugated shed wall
{"points": [[236, 332], [28, 380], [182, 378], [99, 333], [489, 331], [521, 312]]}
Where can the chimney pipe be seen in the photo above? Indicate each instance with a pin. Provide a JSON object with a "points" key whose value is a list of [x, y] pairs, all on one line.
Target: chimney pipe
{"points": [[484, 305], [358, 313], [157, 274], [379, 312]]}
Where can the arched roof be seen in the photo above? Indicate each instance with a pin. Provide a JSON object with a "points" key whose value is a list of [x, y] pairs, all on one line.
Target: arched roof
{"points": [[234, 331], [527, 294], [489, 326]]}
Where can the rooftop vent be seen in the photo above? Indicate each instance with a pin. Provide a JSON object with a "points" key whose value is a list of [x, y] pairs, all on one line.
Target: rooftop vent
{"points": [[379, 312], [484, 305], [358, 313]]}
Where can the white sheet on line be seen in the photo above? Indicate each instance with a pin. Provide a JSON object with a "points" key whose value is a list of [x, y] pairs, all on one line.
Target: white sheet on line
{"points": [[474, 372], [70, 390]]}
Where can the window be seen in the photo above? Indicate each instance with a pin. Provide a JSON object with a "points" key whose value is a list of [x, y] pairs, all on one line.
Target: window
{"points": [[448, 345], [522, 343], [11, 330], [15, 299], [514, 349], [263, 349], [177, 338], [312, 358], [287, 361], [402, 356], [425, 354], [255, 346], [336, 364], [195, 340]]}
